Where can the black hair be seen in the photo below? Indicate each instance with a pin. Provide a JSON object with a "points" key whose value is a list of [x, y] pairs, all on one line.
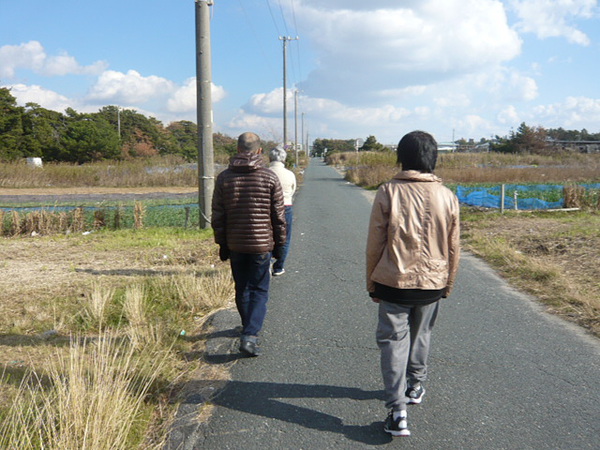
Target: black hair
{"points": [[417, 151]]}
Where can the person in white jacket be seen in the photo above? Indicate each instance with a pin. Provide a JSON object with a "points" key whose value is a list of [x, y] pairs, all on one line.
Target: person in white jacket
{"points": [[277, 156]]}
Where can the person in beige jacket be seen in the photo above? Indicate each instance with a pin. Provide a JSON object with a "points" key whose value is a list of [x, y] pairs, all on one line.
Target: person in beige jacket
{"points": [[412, 260]]}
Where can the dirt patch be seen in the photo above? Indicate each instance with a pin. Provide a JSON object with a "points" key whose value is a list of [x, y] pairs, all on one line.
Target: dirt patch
{"points": [[91, 194], [95, 190]]}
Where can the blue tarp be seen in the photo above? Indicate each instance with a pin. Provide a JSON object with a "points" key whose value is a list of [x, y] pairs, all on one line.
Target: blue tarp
{"points": [[526, 199]]}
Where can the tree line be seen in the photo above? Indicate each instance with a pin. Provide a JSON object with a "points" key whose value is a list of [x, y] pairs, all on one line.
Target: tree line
{"points": [[526, 139], [111, 133]]}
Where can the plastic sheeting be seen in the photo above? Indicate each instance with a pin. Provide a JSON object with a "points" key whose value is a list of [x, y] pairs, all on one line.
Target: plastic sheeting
{"points": [[528, 196]]}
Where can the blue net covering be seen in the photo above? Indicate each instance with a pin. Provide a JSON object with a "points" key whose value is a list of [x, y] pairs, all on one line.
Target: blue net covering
{"points": [[540, 196]]}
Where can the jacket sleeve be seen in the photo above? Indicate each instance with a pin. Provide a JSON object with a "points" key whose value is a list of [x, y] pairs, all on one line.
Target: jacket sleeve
{"points": [[218, 218], [377, 237], [454, 245], [278, 213]]}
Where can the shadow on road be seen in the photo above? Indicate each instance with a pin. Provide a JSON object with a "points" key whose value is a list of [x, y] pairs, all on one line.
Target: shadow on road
{"points": [[269, 400]]}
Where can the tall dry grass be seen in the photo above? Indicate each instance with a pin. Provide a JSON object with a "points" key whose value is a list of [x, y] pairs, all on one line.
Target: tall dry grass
{"points": [[152, 172], [47, 222], [370, 169], [90, 399], [104, 392]]}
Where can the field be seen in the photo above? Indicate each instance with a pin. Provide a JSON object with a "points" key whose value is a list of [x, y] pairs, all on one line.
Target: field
{"points": [[119, 314], [551, 255]]}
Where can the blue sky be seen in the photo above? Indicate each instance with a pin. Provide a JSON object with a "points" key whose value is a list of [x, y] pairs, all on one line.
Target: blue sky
{"points": [[455, 68]]}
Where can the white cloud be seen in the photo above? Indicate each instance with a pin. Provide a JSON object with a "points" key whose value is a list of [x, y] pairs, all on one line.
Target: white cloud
{"points": [[574, 113], [32, 56], [387, 47], [509, 116], [130, 87], [36, 94], [269, 103], [554, 18], [184, 98]]}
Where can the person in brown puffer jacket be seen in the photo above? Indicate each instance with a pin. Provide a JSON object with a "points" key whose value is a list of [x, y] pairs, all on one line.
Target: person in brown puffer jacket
{"points": [[248, 219]]}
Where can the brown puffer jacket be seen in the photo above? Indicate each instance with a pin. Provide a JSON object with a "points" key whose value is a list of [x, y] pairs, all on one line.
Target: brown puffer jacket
{"points": [[248, 215]]}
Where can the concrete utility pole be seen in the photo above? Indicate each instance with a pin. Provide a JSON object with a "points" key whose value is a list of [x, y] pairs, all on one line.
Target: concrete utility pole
{"points": [[285, 40], [296, 124], [206, 166], [302, 135]]}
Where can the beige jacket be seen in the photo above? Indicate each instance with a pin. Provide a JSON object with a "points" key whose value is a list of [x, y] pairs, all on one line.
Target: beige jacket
{"points": [[414, 233]]}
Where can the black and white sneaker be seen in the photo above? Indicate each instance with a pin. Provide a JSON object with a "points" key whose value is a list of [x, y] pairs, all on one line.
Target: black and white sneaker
{"points": [[396, 424], [415, 393]]}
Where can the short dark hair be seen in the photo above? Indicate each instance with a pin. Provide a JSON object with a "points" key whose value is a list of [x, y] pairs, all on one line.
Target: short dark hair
{"points": [[417, 150]]}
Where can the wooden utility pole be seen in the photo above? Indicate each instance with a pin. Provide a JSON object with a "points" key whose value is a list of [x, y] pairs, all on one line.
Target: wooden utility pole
{"points": [[206, 166]]}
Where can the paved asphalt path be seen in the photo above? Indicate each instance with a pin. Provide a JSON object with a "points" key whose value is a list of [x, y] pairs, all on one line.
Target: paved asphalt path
{"points": [[503, 374]]}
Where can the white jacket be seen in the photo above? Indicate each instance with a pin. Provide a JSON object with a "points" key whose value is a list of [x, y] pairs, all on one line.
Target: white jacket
{"points": [[287, 180]]}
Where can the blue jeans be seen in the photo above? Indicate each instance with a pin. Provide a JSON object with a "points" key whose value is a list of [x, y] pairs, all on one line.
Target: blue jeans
{"points": [[252, 279], [289, 215]]}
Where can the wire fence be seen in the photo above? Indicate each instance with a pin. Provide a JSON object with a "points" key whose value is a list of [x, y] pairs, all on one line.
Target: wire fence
{"points": [[18, 221]]}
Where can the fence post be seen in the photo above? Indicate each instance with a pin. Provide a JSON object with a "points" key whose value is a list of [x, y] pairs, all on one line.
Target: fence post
{"points": [[516, 196], [503, 191]]}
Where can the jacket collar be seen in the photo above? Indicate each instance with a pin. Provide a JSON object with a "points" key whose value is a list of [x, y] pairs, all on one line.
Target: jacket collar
{"points": [[415, 175], [246, 162]]}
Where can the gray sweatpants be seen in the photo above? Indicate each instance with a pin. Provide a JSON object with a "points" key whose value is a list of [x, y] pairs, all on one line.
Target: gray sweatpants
{"points": [[403, 336]]}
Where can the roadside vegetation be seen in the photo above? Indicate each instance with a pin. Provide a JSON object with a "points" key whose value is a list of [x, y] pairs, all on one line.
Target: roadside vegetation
{"points": [[98, 332], [103, 307], [551, 255]]}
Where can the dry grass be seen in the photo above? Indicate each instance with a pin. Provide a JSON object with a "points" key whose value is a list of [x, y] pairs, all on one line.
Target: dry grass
{"points": [[553, 257], [129, 292], [370, 169], [157, 171], [90, 399]]}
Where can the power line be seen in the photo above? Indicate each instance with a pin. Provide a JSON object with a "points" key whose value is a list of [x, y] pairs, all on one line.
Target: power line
{"points": [[298, 47], [262, 49], [283, 18], [272, 16]]}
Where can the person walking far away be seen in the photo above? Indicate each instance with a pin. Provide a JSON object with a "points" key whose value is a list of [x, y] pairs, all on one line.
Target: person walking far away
{"points": [[287, 179], [248, 219], [413, 252]]}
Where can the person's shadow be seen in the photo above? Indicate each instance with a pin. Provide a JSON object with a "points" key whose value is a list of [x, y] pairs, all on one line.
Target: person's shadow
{"points": [[267, 399]]}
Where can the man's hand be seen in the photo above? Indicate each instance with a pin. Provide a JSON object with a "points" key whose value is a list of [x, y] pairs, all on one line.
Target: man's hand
{"points": [[278, 252], [223, 253], [375, 300]]}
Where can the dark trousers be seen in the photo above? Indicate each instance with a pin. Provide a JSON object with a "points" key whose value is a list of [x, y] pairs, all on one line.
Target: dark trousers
{"points": [[252, 279], [289, 216]]}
